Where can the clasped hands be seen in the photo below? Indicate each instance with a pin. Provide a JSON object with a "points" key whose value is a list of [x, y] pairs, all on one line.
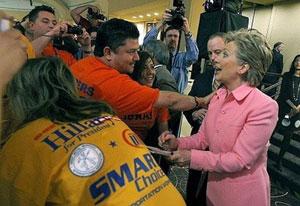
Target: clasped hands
{"points": [[168, 141]]}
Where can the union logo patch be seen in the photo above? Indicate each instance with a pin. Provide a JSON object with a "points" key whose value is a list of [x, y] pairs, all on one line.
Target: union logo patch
{"points": [[86, 160]]}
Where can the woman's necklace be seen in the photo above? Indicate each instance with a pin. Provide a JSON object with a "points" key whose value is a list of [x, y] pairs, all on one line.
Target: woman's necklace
{"points": [[296, 90]]}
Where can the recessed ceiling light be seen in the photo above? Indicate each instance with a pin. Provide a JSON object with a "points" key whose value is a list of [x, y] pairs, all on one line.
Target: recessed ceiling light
{"points": [[148, 15], [134, 17], [141, 16], [156, 14]]}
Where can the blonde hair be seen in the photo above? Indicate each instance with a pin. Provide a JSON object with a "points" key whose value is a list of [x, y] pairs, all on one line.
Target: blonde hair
{"points": [[252, 49]]}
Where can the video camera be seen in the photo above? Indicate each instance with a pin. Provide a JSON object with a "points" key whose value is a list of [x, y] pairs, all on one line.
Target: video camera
{"points": [[96, 15], [75, 30], [177, 14]]}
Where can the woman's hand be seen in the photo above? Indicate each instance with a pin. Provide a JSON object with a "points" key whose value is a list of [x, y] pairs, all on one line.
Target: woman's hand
{"points": [[168, 141], [181, 158], [199, 115]]}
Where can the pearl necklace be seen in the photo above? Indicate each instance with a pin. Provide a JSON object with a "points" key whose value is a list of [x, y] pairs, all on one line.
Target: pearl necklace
{"points": [[295, 93]]}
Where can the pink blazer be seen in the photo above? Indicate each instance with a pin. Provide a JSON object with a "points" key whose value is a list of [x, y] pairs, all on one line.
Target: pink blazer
{"points": [[237, 129]]}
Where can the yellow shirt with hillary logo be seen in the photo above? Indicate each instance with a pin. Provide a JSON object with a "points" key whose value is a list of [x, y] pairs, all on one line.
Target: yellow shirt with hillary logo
{"points": [[99, 161]]}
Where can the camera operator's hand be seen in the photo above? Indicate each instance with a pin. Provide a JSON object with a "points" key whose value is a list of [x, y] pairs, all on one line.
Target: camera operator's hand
{"points": [[186, 27], [85, 41], [94, 8], [42, 41], [167, 16], [59, 29]]}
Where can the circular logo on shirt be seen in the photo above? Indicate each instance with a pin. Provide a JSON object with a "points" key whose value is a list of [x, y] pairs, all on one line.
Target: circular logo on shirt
{"points": [[86, 160]]}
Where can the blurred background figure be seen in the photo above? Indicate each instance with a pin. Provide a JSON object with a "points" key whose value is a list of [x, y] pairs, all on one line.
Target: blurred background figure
{"points": [[179, 61], [289, 116], [94, 19], [46, 35], [274, 71]]}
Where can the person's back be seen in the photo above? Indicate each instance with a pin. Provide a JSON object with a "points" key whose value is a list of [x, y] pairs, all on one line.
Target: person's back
{"points": [[72, 151]]}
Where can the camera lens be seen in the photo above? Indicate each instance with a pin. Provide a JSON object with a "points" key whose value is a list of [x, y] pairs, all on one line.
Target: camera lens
{"points": [[75, 30]]}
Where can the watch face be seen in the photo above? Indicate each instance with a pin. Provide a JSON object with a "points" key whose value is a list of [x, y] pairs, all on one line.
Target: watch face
{"points": [[86, 160], [286, 121], [297, 124]]}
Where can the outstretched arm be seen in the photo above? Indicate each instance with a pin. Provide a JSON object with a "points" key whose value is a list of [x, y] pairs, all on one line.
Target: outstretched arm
{"points": [[75, 13]]}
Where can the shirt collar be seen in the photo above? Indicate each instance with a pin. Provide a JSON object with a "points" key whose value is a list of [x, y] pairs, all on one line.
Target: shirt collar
{"points": [[239, 93]]}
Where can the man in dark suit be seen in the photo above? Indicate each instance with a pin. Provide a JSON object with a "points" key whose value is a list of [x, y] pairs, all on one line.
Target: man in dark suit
{"points": [[203, 85], [275, 69]]}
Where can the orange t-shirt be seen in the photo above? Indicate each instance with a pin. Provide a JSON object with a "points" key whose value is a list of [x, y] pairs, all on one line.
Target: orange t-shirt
{"points": [[67, 57], [125, 96], [142, 123]]}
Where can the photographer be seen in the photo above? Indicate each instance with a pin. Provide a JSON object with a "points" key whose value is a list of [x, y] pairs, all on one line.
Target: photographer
{"points": [[93, 21], [179, 61], [43, 27]]}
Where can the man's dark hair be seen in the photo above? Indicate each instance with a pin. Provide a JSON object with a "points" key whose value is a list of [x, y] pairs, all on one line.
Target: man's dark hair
{"points": [[33, 14], [277, 44], [217, 34], [113, 34], [293, 68], [139, 66], [171, 28]]}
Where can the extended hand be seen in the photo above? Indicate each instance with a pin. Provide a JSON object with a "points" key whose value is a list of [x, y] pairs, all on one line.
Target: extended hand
{"points": [[167, 141], [181, 157], [199, 115]]}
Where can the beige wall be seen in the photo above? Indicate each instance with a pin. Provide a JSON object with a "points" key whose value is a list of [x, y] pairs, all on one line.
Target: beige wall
{"points": [[279, 23], [194, 10]]}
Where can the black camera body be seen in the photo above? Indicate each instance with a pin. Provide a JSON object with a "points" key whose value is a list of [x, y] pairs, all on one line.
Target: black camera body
{"points": [[75, 30], [177, 14], [96, 15]]}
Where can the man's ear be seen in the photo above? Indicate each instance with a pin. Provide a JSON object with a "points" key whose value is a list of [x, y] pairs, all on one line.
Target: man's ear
{"points": [[29, 24], [244, 68], [107, 53]]}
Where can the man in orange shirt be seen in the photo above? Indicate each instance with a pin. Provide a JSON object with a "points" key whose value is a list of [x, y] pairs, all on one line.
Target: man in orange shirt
{"points": [[104, 76], [43, 27]]}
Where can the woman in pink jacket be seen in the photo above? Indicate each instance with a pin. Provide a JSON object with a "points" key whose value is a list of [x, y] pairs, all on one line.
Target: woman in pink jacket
{"points": [[236, 129]]}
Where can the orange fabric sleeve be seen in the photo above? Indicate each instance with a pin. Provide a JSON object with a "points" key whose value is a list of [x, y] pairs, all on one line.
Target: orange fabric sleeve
{"points": [[163, 115], [124, 95], [67, 57]]}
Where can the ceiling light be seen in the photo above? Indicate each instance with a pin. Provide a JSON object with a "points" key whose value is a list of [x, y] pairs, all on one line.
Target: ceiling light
{"points": [[148, 15], [134, 17], [156, 14], [141, 16]]}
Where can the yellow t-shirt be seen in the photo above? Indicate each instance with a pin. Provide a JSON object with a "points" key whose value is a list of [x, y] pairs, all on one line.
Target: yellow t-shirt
{"points": [[30, 50], [99, 161]]}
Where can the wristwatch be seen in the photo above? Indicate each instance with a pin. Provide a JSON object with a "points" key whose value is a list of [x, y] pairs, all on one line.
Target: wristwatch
{"points": [[188, 35]]}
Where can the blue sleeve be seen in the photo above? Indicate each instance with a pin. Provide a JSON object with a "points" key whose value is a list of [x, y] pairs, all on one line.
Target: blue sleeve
{"points": [[192, 52], [152, 34]]}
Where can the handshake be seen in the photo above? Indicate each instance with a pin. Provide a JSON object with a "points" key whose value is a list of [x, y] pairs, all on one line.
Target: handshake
{"points": [[169, 144]]}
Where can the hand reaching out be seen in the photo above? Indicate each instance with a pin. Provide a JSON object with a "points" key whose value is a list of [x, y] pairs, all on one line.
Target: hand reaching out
{"points": [[167, 141], [199, 115], [181, 158]]}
